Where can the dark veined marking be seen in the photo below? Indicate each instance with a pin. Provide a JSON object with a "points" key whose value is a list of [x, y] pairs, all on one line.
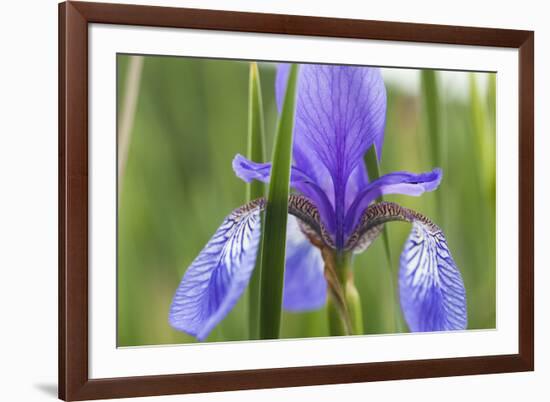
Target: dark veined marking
{"points": [[374, 218], [302, 208]]}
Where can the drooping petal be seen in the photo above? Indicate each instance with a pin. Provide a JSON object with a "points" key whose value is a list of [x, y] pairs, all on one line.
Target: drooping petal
{"points": [[340, 113], [393, 183], [431, 289], [248, 170], [218, 276], [305, 287], [432, 293]]}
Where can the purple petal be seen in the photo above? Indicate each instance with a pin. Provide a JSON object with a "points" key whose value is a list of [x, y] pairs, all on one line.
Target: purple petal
{"points": [[430, 285], [218, 276], [340, 113], [248, 171], [357, 182], [281, 80], [305, 285], [393, 183]]}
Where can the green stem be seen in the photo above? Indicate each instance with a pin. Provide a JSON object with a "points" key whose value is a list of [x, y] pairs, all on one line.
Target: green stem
{"points": [[397, 323], [276, 213], [432, 112], [353, 301], [336, 324], [344, 304], [343, 265], [255, 189]]}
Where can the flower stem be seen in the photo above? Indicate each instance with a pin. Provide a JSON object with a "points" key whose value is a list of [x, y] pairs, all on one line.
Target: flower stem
{"points": [[398, 327], [353, 301], [276, 212], [432, 112], [344, 304], [336, 324], [255, 189]]}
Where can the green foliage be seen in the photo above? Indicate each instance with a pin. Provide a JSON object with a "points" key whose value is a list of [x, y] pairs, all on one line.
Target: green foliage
{"points": [[255, 189], [276, 213], [432, 112], [432, 118]]}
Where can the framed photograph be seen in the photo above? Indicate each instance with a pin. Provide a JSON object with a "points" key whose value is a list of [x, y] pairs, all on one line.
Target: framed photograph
{"points": [[259, 200]]}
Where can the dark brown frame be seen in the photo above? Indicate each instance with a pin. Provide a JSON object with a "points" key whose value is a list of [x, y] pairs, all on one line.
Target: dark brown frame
{"points": [[74, 17]]}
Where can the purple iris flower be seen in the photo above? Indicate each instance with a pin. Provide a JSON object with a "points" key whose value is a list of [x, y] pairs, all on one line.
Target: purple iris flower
{"points": [[340, 113]]}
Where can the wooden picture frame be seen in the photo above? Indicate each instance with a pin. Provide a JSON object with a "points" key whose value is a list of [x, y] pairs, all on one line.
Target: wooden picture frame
{"points": [[74, 381]]}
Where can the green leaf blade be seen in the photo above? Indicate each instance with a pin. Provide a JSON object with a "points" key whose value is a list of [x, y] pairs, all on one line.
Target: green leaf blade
{"points": [[274, 228], [432, 112], [255, 189], [432, 122], [482, 131]]}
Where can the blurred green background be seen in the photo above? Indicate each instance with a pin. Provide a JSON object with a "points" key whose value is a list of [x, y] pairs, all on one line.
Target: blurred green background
{"points": [[177, 185]]}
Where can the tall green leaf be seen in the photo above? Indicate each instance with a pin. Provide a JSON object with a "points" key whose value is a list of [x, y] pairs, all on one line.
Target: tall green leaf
{"points": [[492, 96], [255, 189], [481, 117], [432, 116], [274, 228], [432, 112], [492, 128]]}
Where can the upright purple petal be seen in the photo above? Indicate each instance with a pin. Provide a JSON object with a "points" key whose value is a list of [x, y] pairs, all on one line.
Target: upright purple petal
{"points": [[305, 287], [281, 79], [340, 113], [357, 182], [430, 285], [218, 276], [393, 183]]}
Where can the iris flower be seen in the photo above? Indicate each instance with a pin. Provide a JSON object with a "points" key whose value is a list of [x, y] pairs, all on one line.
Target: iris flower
{"points": [[340, 113]]}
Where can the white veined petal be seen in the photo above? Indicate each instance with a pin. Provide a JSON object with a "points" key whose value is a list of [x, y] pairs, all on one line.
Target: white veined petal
{"points": [[431, 289], [218, 276]]}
